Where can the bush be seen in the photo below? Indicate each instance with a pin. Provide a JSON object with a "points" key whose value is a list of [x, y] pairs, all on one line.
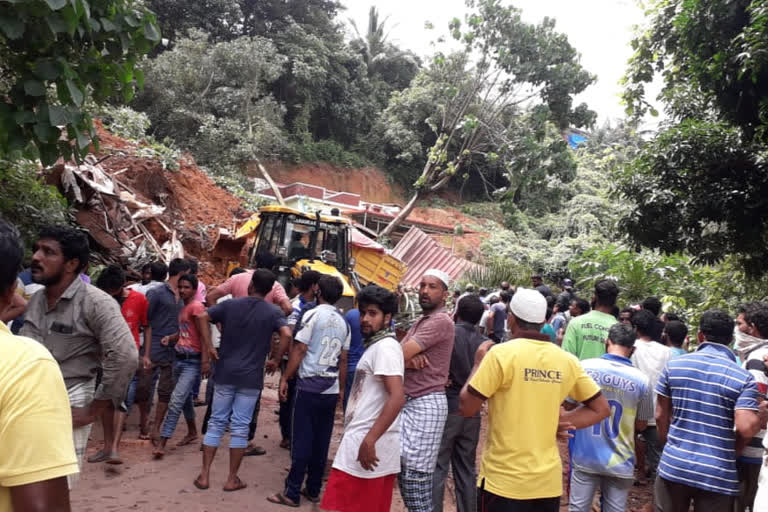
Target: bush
{"points": [[27, 202], [326, 151]]}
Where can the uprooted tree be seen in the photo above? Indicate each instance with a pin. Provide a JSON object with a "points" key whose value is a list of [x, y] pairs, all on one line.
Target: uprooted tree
{"points": [[55, 55], [506, 69]]}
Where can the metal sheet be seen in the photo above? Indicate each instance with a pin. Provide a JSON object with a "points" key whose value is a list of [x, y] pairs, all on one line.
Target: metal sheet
{"points": [[420, 252]]}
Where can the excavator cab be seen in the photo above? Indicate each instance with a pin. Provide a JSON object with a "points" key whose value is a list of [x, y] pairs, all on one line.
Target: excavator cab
{"points": [[301, 241]]}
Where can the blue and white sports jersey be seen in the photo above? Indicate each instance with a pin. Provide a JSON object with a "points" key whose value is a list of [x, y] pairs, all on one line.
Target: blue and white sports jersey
{"points": [[326, 334], [608, 448]]}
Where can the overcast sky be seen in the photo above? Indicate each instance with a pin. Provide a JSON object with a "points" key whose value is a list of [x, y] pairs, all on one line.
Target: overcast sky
{"points": [[599, 29]]}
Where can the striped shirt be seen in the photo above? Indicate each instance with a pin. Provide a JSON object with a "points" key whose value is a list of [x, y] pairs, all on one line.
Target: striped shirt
{"points": [[705, 388], [753, 453]]}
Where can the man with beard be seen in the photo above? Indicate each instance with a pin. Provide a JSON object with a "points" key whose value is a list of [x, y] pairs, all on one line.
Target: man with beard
{"points": [[427, 351], [83, 328], [36, 450], [368, 457]]}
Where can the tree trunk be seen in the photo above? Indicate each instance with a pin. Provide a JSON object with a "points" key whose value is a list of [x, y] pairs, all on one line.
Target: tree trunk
{"points": [[272, 184], [401, 216]]}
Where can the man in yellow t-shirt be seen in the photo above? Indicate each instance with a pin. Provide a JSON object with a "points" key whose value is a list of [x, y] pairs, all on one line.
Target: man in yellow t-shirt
{"points": [[524, 381], [36, 448]]}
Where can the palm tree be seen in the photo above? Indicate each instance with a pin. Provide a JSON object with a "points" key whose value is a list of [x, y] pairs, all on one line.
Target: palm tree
{"points": [[373, 45]]}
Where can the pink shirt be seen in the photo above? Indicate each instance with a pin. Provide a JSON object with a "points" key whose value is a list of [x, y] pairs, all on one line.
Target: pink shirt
{"points": [[435, 334], [200, 294], [237, 286]]}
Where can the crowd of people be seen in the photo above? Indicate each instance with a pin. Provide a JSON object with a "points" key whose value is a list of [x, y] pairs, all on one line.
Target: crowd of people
{"points": [[635, 397]]}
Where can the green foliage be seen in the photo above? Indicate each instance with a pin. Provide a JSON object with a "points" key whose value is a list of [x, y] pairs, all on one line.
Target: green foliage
{"points": [[57, 54], [494, 273], [242, 188], [700, 186], [326, 151], [133, 126], [212, 99], [125, 122], [685, 288], [26, 201]]}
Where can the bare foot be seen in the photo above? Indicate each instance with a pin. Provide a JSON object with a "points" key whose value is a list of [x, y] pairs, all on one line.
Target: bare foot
{"points": [[188, 439], [158, 453]]}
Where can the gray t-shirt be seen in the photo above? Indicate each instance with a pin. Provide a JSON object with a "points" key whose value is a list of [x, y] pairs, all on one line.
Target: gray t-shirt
{"points": [[499, 311]]}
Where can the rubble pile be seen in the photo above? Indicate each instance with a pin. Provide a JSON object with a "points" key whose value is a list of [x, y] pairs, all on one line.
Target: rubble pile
{"points": [[136, 210]]}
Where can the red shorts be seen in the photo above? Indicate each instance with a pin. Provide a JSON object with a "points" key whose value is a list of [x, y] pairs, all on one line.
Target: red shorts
{"points": [[348, 493]]}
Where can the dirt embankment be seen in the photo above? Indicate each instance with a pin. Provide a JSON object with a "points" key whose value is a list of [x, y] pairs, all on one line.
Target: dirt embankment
{"points": [[370, 183]]}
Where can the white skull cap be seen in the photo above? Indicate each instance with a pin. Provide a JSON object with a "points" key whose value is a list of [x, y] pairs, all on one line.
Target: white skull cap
{"points": [[445, 278], [529, 305]]}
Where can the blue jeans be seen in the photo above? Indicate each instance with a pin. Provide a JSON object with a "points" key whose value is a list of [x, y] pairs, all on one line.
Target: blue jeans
{"points": [[184, 374], [613, 492], [196, 387], [231, 403], [311, 431]]}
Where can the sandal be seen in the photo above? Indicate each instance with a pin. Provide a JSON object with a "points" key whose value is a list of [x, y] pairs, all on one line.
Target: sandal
{"points": [[114, 459], [240, 485], [187, 439], [99, 456], [200, 486], [279, 499], [256, 450], [310, 498]]}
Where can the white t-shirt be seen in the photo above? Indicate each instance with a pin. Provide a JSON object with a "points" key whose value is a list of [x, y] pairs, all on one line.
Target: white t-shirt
{"points": [[366, 400], [650, 357]]}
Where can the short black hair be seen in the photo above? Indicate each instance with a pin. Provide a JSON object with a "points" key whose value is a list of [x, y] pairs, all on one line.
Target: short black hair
{"points": [[671, 316], [111, 278], [147, 267], [627, 309], [505, 297], [582, 304], [237, 270], [717, 326], [193, 265], [494, 299], [73, 242], [331, 288], [622, 334], [158, 270], [380, 297], [644, 321], [178, 266], [11, 255], [757, 315], [676, 332], [264, 259], [262, 280], [743, 309], [606, 292], [482, 292], [652, 304], [470, 309], [307, 280], [191, 279]]}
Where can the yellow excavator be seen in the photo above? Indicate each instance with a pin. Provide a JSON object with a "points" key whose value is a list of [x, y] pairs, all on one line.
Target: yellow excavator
{"points": [[329, 244]]}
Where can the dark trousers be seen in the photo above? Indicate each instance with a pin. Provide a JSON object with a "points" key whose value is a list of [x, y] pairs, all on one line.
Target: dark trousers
{"points": [[286, 411], [653, 449], [489, 502], [674, 497], [313, 415], [458, 450], [748, 477]]}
